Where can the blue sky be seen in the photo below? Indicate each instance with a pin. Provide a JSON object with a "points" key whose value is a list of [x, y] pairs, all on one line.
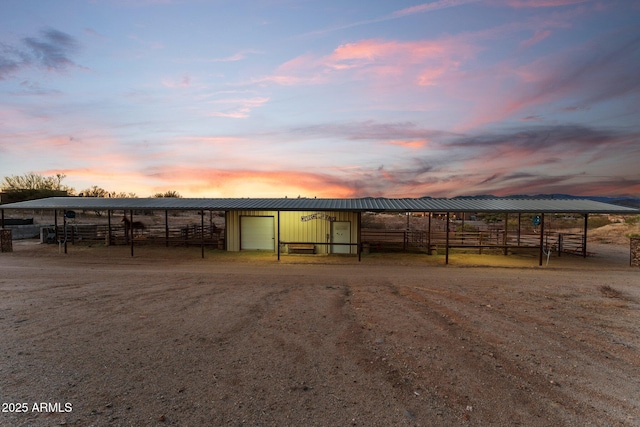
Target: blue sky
{"points": [[282, 98]]}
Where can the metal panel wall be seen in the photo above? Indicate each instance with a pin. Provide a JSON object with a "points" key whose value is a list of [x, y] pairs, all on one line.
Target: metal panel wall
{"points": [[295, 226]]}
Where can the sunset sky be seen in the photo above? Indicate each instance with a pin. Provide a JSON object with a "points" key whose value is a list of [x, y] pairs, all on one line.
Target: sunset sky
{"points": [[323, 98]]}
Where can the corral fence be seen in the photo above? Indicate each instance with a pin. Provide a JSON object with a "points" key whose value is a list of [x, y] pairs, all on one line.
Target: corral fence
{"points": [[382, 240], [185, 235]]}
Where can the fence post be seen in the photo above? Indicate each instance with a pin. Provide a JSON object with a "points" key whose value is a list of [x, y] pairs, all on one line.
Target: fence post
{"points": [[584, 241], [429, 235], [505, 238], [560, 243], [446, 254]]}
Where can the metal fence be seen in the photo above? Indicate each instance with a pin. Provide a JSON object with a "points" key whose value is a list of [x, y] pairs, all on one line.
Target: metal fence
{"points": [[116, 235], [493, 238]]}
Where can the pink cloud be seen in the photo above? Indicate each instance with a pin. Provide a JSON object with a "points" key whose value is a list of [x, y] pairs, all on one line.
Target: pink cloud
{"points": [[537, 38], [408, 143], [429, 7], [600, 70], [251, 183], [542, 3], [239, 108], [179, 83], [417, 62]]}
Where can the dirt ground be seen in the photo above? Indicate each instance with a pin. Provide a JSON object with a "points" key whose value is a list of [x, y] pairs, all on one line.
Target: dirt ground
{"points": [[167, 338]]}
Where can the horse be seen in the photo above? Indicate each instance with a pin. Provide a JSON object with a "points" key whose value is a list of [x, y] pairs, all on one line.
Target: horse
{"points": [[135, 225]]}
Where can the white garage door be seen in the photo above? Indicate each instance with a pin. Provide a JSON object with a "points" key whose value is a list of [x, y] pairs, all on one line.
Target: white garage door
{"points": [[257, 233]]}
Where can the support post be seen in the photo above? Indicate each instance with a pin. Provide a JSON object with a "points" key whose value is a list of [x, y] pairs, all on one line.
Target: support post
{"points": [[108, 242], [55, 226], [2, 221], [166, 228], [278, 240], [506, 231], [541, 238], [446, 254], [359, 248], [202, 233], [429, 234], [519, 225], [64, 223], [226, 230], [405, 241], [131, 229], [584, 241], [560, 243]]}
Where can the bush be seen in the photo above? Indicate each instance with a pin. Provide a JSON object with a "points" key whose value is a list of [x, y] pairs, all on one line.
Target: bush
{"points": [[468, 228], [633, 220], [597, 221]]}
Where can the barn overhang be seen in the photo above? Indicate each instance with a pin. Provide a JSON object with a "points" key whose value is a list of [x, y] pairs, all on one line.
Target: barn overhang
{"points": [[314, 209], [366, 204]]}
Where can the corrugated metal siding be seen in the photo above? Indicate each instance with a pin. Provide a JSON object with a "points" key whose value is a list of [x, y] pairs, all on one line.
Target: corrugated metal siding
{"points": [[362, 205], [292, 227]]}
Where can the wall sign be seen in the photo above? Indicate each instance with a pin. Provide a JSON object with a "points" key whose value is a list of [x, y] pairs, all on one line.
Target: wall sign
{"points": [[317, 215]]}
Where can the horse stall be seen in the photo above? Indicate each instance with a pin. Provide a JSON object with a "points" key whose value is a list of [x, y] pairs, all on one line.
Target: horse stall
{"points": [[147, 228], [507, 234], [179, 229]]}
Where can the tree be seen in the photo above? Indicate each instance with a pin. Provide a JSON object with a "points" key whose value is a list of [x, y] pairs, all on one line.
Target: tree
{"points": [[94, 191], [171, 193], [32, 186], [123, 195], [34, 181]]}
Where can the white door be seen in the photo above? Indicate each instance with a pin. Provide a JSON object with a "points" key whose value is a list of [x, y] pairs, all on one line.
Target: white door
{"points": [[257, 233], [341, 233]]}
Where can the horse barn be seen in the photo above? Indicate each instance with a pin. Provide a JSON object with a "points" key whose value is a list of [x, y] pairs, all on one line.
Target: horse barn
{"points": [[324, 226]]}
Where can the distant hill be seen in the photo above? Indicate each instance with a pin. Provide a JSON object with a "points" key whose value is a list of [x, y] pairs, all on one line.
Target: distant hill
{"points": [[632, 202]]}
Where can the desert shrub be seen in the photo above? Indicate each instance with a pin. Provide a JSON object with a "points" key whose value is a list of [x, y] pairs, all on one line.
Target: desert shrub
{"points": [[632, 220], [468, 228], [371, 221], [597, 221]]}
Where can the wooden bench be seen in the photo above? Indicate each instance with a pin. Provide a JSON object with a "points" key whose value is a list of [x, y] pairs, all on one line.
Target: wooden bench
{"points": [[301, 248]]}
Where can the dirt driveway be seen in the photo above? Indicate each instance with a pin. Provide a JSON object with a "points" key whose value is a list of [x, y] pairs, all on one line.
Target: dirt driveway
{"points": [[166, 338]]}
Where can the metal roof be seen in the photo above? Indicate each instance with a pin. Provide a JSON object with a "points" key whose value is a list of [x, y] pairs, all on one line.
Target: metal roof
{"points": [[367, 204]]}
